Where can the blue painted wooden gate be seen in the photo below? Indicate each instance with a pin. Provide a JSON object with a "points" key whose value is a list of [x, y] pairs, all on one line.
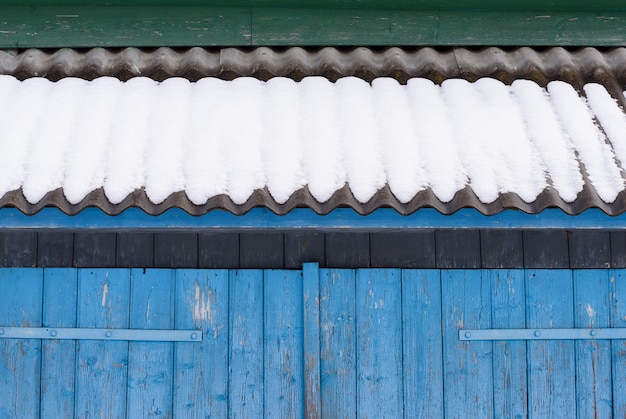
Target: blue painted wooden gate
{"points": [[332, 343]]}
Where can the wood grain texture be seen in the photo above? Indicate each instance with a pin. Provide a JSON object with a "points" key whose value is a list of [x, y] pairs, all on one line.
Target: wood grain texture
{"points": [[282, 344], [202, 302], [402, 249], [468, 382], [551, 366], [593, 357], [21, 291], [103, 302], [545, 249], [338, 343], [18, 249], [55, 249], [246, 356], [94, 250], [311, 340], [347, 250], [508, 311], [617, 288], [176, 250], [458, 249], [135, 250], [58, 359], [379, 343], [150, 364], [422, 347]]}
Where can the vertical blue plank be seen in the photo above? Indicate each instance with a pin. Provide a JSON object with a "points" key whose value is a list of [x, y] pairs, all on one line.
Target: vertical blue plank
{"points": [[468, 371], [246, 344], [618, 346], [311, 306], [102, 367], [379, 343], [338, 343], [283, 338], [150, 364], [508, 311], [551, 363], [422, 344], [58, 356], [593, 357], [21, 293], [201, 388]]}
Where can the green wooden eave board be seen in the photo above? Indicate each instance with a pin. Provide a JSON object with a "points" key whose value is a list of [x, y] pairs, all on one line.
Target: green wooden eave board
{"points": [[143, 26]]}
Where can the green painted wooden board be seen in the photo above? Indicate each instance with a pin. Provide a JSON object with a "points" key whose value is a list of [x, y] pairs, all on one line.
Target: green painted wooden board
{"points": [[201, 25]]}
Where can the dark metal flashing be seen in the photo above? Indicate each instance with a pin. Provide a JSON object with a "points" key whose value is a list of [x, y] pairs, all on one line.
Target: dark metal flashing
{"points": [[439, 249]]}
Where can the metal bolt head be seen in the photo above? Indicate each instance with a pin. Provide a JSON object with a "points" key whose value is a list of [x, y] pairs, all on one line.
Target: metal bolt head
{"points": [[468, 335], [194, 336], [1, 331], [593, 333], [537, 333], [108, 334], [53, 333]]}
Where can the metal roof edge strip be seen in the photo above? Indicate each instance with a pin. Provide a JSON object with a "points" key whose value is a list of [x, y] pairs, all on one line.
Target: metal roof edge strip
{"points": [[121, 26], [305, 218]]}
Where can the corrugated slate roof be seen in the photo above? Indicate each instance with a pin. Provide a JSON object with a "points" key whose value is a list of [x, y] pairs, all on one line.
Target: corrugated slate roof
{"points": [[120, 129]]}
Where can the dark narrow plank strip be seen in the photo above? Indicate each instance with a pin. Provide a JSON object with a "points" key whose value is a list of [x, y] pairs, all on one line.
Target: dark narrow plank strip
{"points": [[21, 292], [618, 249], [617, 289], [176, 250], [94, 250], [589, 249], [501, 249], [302, 247], [201, 388], [311, 305], [379, 331], [261, 250], [551, 364], [593, 357], [468, 370], [135, 250], [508, 311], [403, 249], [59, 356], [246, 344], [458, 249], [103, 302], [546, 249], [55, 249], [422, 345], [150, 364], [218, 250], [338, 342], [283, 355], [18, 249], [347, 250]]}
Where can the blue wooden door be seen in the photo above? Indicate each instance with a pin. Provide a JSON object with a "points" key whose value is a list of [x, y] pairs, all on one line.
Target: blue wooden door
{"points": [[335, 343]]}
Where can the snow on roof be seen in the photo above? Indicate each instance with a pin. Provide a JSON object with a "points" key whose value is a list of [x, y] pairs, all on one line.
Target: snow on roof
{"points": [[216, 138]]}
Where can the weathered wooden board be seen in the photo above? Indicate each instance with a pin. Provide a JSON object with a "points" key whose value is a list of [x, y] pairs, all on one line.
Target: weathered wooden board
{"points": [[551, 364], [617, 289], [202, 302], [422, 343]]}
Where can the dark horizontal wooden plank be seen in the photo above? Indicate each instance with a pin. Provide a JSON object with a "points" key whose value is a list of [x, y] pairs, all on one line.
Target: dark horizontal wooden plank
{"points": [[176, 250], [347, 250], [458, 249], [302, 247], [546, 249], [618, 249], [403, 249], [18, 249], [55, 249], [261, 250], [501, 249], [94, 250], [117, 26], [135, 250], [590, 249], [218, 250]]}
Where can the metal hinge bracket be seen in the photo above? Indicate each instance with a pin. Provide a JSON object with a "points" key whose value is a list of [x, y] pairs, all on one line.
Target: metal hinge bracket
{"points": [[542, 334]]}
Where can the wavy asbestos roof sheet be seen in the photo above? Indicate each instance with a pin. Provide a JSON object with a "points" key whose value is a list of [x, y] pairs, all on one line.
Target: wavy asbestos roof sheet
{"points": [[233, 129]]}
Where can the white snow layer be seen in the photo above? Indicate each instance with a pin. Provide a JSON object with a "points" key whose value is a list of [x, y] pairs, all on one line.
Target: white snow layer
{"points": [[215, 137]]}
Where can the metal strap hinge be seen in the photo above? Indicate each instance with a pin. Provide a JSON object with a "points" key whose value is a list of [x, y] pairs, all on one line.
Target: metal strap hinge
{"points": [[100, 334], [542, 334]]}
